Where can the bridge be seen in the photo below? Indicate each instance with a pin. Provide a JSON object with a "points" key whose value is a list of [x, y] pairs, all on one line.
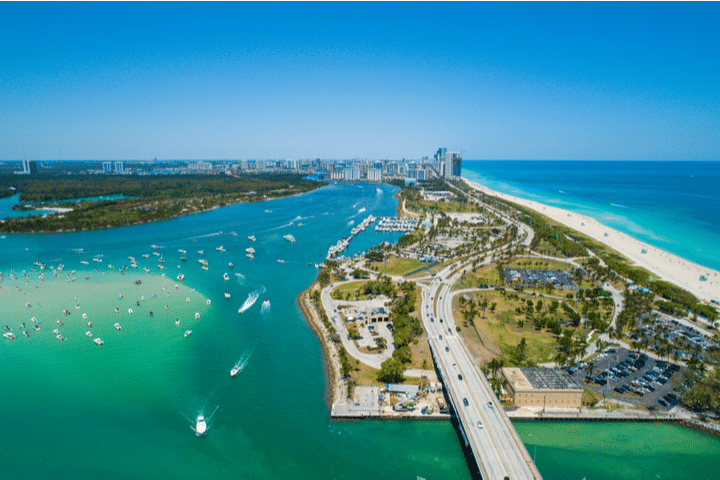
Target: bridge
{"points": [[486, 429]]}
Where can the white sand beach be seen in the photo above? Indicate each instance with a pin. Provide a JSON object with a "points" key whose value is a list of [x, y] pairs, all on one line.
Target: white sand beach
{"points": [[665, 265]]}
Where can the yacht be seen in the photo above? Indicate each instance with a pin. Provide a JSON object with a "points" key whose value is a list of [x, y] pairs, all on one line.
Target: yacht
{"points": [[201, 252], [184, 259], [220, 249], [231, 265], [249, 255], [146, 255], [99, 341], [9, 335], [289, 238], [226, 277], [117, 327], [180, 277], [235, 370], [200, 425], [187, 333], [252, 238], [89, 334], [250, 250], [177, 321], [84, 262], [227, 294], [182, 251]]}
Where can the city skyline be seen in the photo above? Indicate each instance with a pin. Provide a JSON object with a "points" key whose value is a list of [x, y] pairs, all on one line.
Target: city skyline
{"points": [[204, 81]]}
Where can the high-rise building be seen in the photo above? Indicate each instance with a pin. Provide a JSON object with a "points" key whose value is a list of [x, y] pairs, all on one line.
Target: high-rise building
{"points": [[33, 167], [374, 175], [421, 174], [107, 167], [119, 168], [457, 166]]}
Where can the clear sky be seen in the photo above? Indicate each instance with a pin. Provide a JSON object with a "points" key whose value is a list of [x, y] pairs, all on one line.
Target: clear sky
{"points": [[359, 80]]}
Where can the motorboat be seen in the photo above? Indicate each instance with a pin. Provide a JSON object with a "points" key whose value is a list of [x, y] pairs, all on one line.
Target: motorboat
{"points": [[89, 334], [289, 238], [252, 238], [117, 327], [235, 370], [99, 341], [231, 265], [177, 321], [226, 277], [9, 335], [200, 426], [181, 277], [220, 249], [250, 250], [187, 333], [249, 255], [227, 294]]}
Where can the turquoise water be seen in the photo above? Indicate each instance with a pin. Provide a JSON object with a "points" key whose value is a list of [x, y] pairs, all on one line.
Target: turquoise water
{"points": [[671, 205], [74, 410]]}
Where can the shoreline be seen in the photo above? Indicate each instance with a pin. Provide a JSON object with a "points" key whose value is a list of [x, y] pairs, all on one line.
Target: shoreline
{"points": [[663, 264]]}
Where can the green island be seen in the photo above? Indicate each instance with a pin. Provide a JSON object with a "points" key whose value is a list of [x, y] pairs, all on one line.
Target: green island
{"points": [[143, 199]]}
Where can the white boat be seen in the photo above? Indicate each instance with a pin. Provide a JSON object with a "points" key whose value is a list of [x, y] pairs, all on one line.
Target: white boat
{"points": [[231, 265], [180, 277], [117, 327], [84, 262], [89, 334], [182, 251], [99, 341], [250, 250], [220, 248], [155, 246], [187, 333], [9, 336], [235, 370], [226, 277], [289, 238], [200, 426], [201, 252], [227, 294], [177, 321], [146, 255], [197, 315], [252, 238], [249, 255], [280, 260]]}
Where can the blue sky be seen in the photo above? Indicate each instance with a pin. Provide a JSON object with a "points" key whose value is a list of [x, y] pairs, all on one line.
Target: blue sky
{"points": [[359, 80]]}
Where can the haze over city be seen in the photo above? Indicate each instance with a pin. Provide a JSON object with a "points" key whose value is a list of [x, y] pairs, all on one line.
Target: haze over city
{"points": [[370, 80]]}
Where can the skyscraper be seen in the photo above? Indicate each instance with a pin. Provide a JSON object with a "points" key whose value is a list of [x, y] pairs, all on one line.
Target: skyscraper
{"points": [[33, 167]]}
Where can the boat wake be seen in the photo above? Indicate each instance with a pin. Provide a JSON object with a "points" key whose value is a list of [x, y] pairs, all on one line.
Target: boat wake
{"points": [[252, 298], [265, 308], [208, 235], [618, 205], [242, 363]]}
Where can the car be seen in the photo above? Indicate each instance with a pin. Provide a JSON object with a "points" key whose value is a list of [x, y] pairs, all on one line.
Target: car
{"points": [[447, 349], [459, 377], [432, 320], [449, 331], [465, 401], [479, 424], [454, 366], [441, 320], [440, 337], [490, 405]]}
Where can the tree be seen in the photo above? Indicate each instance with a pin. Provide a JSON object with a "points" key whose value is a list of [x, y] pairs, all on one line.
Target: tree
{"points": [[391, 371], [353, 333], [493, 305], [324, 277]]}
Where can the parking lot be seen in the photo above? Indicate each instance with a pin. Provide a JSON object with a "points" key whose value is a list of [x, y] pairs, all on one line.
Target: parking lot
{"points": [[526, 278], [634, 378], [674, 330]]}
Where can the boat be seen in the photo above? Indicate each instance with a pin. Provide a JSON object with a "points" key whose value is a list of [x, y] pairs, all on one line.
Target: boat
{"points": [[187, 333], [231, 265], [200, 425], [184, 259], [182, 251], [226, 277], [26, 333], [252, 238], [56, 331], [99, 341], [207, 302], [177, 321], [234, 234], [9, 335], [60, 337], [289, 238], [117, 327], [155, 246], [220, 249], [250, 250], [249, 255], [146, 255], [227, 294], [180, 277], [280, 260], [89, 334], [84, 262], [235, 370], [197, 315], [201, 252]]}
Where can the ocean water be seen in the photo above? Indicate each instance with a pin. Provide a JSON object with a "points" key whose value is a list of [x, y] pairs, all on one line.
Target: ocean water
{"points": [[125, 410], [671, 205]]}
